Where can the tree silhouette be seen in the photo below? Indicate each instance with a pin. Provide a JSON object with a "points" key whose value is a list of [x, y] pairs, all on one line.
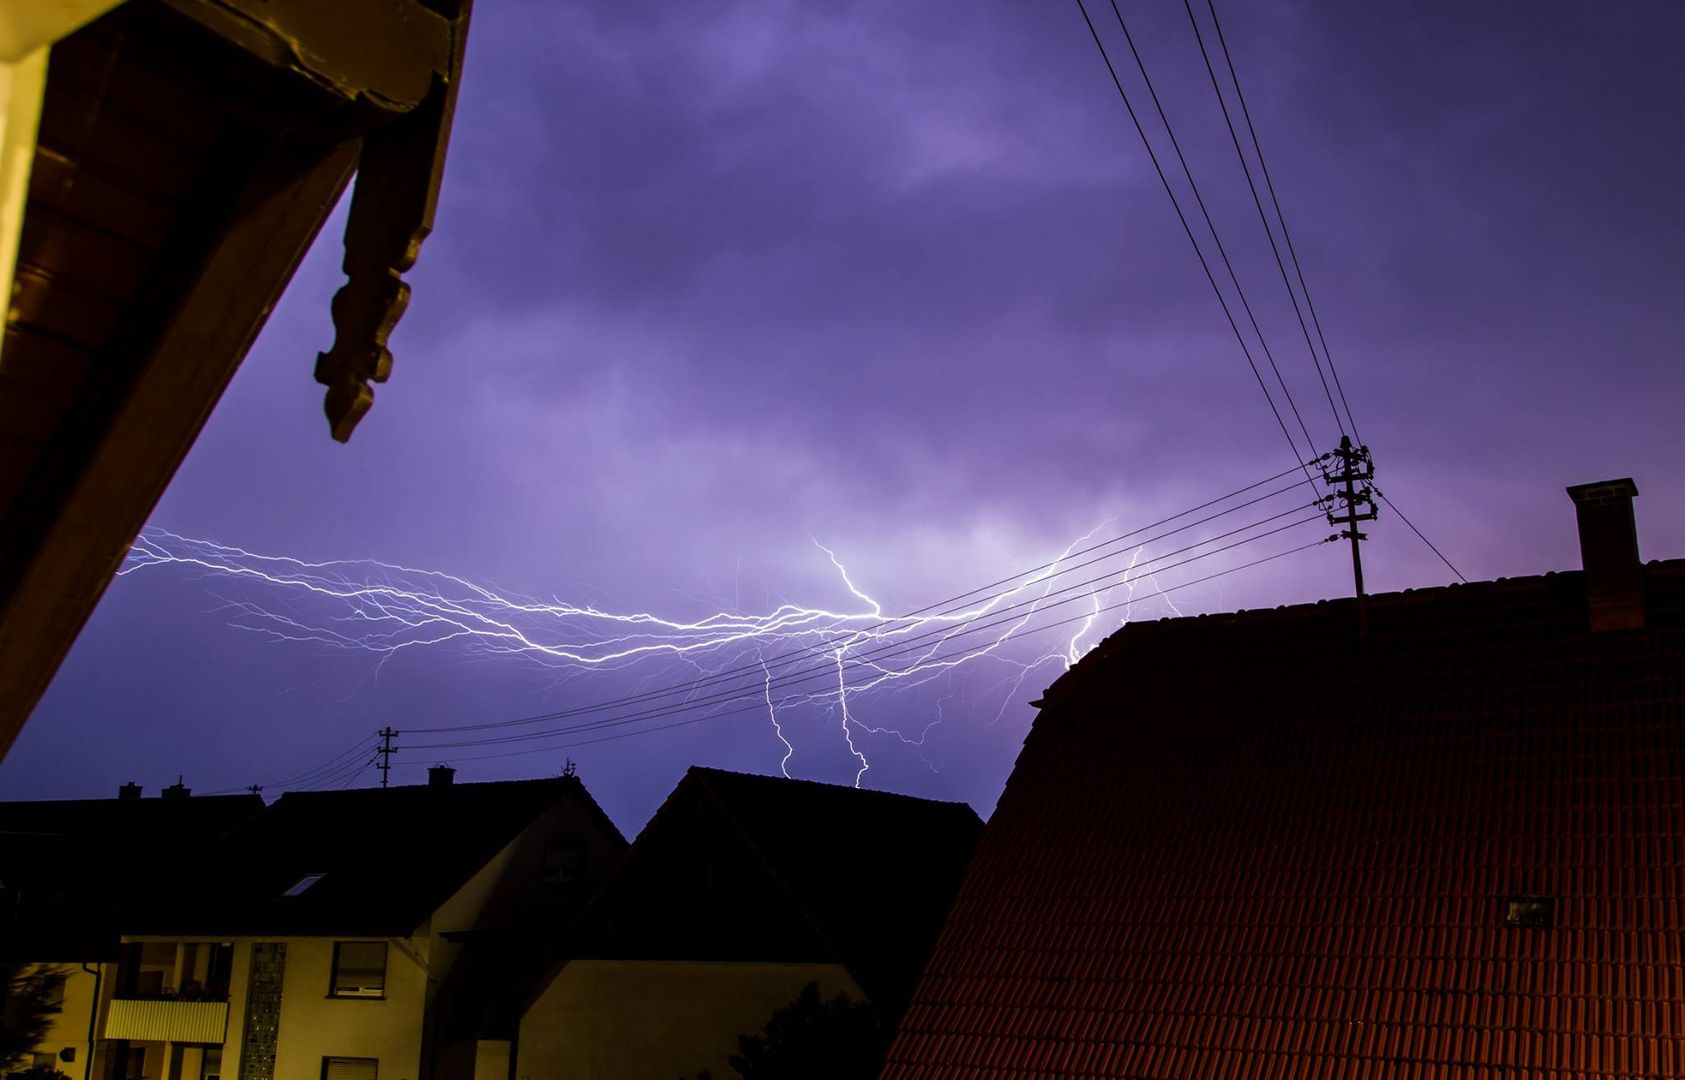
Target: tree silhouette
{"points": [[810, 1039], [32, 999]]}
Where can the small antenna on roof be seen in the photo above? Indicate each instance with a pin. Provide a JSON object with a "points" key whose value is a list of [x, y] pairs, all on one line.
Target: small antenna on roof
{"points": [[570, 769]]}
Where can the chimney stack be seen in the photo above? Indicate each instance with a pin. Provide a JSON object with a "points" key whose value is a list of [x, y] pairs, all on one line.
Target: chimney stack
{"points": [[440, 776], [1609, 552], [130, 790], [177, 790]]}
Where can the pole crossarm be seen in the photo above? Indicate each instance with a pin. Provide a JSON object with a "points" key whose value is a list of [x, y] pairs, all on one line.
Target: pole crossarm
{"points": [[1349, 470]]}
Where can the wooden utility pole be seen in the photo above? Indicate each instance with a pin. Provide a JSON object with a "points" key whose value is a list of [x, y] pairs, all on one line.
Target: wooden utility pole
{"points": [[386, 751], [1355, 502]]}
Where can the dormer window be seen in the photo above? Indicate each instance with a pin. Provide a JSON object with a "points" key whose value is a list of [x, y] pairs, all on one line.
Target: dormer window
{"points": [[359, 969], [563, 864], [303, 885]]}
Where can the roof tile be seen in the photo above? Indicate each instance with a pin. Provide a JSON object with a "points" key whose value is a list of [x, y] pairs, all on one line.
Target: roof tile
{"points": [[1252, 845]]}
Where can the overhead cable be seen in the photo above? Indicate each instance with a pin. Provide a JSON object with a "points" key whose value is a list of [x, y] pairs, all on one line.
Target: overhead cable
{"points": [[1198, 252], [758, 707], [1018, 581]]}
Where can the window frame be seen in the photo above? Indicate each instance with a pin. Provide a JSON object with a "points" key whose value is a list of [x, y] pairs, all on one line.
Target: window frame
{"points": [[327, 1058], [334, 990], [562, 874]]}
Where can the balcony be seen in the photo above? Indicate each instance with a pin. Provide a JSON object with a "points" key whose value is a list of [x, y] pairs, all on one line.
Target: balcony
{"points": [[167, 1019]]}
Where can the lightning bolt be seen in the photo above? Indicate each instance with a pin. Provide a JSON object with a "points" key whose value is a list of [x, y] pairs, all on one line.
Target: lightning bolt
{"points": [[386, 608], [777, 728]]}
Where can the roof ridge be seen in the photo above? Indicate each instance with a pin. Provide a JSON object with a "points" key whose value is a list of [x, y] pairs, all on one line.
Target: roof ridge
{"points": [[785, 886], [471, 785], [865, 792]]}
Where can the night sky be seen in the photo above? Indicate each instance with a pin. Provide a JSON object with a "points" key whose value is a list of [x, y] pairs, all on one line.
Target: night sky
{"points": [[713, 284]]}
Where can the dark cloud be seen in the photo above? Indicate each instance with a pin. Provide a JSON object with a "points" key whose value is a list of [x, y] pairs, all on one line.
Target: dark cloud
{"points": [[711, 280]]}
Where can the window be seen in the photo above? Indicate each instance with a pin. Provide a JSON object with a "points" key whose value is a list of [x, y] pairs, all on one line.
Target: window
{"points": [[52, 992], [210, 1064], [341, 1068], [1530, 912], [303, 884], [359, 970], [563, 863], [131, 1061]]}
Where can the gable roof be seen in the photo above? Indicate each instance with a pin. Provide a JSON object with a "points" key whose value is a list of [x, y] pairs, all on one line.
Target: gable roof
{"points": [[67, 866], [387, 859], [857, 877], [1254, 845]]}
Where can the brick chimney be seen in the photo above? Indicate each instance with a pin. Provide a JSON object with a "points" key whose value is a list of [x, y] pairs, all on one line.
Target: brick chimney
{"points": [[440, 776], [130, 790], [1609, 552]]}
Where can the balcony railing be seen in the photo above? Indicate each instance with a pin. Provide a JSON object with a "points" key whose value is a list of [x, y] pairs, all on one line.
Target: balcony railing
{"points": [[171, 1019]]}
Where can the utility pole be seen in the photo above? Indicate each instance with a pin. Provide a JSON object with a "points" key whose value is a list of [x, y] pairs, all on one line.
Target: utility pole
{"points": [[1355, 471], [386, 751]]}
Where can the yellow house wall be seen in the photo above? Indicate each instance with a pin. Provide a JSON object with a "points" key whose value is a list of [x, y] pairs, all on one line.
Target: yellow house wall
{"points": [[627, 1020], [69, 1027], [506, 891], [314, 1025], [491, 1059]]}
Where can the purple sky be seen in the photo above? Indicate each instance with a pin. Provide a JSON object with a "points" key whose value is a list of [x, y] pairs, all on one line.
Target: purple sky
{"points": [[714, 281]]}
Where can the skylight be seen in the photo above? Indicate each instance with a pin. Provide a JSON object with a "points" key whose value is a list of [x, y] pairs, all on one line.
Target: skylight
{"points": [[303, 884]]}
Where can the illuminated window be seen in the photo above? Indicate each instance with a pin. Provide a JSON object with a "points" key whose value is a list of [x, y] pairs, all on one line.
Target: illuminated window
{"points": [[359, 970], [303, 884], [1530, 912]]}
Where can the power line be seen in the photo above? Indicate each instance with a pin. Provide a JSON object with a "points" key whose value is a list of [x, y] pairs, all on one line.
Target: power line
{"points": [[346, 764], [328, 765], [1287, 237], [1263, 218], [1199, 200], [757, 707], [874, 656], [826, 647], [929, 611], [340, 777], [1394, 508], [1187, 229], [784, 660]]}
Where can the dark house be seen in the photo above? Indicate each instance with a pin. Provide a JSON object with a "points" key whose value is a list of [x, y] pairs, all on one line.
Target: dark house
{"points": [[1258, 845], [69, 867], [353, 927], [740, 891]]}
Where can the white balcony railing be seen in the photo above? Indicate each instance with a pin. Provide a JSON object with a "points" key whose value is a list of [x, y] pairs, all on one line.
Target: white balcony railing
{"points": [[161, 1020]]}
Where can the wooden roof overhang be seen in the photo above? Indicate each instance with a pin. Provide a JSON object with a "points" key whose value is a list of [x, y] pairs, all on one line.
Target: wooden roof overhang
{"points": [[188, 152]]}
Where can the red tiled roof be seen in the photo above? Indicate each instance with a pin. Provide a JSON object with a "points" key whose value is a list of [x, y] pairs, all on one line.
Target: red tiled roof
{"points": [[1252, 845]]}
